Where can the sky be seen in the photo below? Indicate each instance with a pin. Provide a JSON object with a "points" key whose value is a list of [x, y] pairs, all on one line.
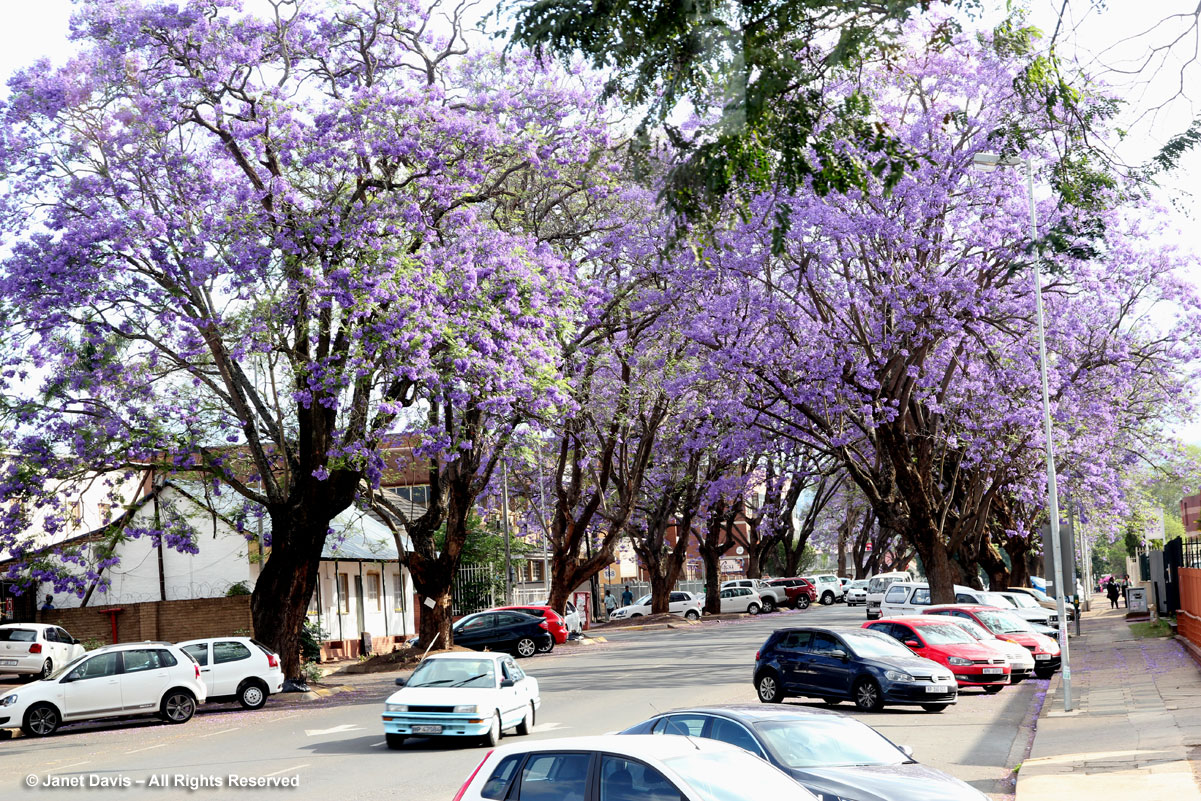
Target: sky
{"points": [[1149, 60]]}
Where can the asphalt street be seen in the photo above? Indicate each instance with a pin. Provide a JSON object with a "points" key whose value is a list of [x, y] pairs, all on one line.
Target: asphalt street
{"points": [[334, 747]]}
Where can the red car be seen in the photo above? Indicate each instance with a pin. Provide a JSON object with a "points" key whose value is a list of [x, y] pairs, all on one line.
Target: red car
{"points": [[800, 592], [972, 664], [554, 622], [1006, 626]]}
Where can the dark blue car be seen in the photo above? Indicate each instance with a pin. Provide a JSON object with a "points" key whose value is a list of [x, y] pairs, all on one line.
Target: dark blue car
{"points": [[516, 632], [849, 664], [831, 755]]}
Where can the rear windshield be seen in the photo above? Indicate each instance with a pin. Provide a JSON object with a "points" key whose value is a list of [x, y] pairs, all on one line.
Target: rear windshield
{"points": [[18, 635]]}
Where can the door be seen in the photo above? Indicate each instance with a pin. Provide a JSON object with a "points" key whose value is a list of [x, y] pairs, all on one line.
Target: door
{"points": [[93, 687], [475, 632], [513, 700], [829, 674], [360, 615], [510, 628], [727, 601], [626, 779], [144, 678], [906, 636], [71, 649], [793, 656], [231, 664], [558, 776], [200, 652]]}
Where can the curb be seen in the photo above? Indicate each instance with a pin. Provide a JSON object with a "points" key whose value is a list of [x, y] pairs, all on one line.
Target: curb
{"points": [[321, 692]]}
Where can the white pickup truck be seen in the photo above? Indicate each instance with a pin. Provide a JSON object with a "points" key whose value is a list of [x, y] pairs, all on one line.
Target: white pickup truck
{"points": [[773, 597]]}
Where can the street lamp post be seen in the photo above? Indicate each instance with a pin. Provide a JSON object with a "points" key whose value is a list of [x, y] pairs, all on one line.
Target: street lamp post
{"points": [[992, 160]]}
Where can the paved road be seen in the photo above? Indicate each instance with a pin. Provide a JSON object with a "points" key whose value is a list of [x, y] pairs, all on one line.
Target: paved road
{"points": [[334, 747]]}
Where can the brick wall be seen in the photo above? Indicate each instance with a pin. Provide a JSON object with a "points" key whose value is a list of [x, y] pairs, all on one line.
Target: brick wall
{"points": [[171, 621]]}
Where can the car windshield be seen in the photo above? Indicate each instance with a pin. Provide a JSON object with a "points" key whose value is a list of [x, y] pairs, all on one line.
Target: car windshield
{"points": [[997, 599], [454, 673], [1038, 594], [66, 667], [872, 645], [828, 742], [972, 628], [18, 635], [726, 775], [1022, 601], [943, 634], [1003, 622], [858, 584], [643, 601]]}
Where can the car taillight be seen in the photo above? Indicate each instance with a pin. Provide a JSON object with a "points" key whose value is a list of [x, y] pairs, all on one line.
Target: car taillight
{"points": [[757, 656], [466, 784], [542, 624], [272, 660], [36, 648], [196, 667]]}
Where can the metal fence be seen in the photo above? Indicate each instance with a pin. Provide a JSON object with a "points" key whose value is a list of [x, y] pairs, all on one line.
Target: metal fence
{"points": [[475, 588], [641, 588]]}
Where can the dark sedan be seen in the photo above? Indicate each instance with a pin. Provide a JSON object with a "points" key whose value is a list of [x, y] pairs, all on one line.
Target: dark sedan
{"points": [[849, 664], [831, 755], [515, 632]]}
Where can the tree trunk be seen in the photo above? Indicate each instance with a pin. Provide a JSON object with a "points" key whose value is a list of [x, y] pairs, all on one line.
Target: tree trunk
{"points": [[433, 581], [940, 571], [280, 601], [661, 592], [753, 569]]}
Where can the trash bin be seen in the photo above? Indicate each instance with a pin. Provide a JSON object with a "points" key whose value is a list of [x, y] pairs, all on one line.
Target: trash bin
{"points": [[1136, 599], [365, 643]]}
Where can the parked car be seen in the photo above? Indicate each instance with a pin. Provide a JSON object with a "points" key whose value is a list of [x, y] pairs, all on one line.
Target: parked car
{"points": [[849, 664], [828, 586], [1021, 661], [236, 669], [799, 593], [1033, 613], [856, 592], [684, 604], [571, 618], [555, 623], [515, 632], [834, 756], [770, 595], [628, 768], [972, 664], [876, 587], [462, 695], [1006, 626], [36, 649], [910, 597], [124, 680], [1029, 603], [1043, 600], [739, 599]]}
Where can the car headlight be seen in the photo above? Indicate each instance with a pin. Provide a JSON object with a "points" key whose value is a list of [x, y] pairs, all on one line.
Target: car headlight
{"points": [[8, 700], [396, 707], [467, 709], [893, 675], [959, 660]]}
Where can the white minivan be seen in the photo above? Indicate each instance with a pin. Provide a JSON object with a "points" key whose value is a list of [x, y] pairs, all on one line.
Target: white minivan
{"points": [[876, 587]]}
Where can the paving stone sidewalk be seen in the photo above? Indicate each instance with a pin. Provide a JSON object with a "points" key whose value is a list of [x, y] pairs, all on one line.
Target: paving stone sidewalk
{"points": [[1135, 727]]}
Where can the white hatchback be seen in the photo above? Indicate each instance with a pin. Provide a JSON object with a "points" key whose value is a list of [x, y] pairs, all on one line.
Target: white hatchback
{"points": [[36, 648], [236, 669], [680, 603], [115, 681]]}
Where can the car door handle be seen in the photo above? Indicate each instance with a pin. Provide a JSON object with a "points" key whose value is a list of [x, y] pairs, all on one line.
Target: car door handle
{"points": [[206, 670]]}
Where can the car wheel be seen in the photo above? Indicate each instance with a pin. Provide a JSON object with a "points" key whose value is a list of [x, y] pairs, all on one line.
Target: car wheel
{"points": [[768, 688], [636, 614], [1044, 674], [692, 614], [867, 695], [752, 609], [803, 602], [526, 647], [769, 606], [546, 649], [47, 669], [252, 695], [827, 598], [832, 701], [935, 708], [993, 689], [40, 721], [493, 735], [395, 741], [178, 706], [527, 722]]}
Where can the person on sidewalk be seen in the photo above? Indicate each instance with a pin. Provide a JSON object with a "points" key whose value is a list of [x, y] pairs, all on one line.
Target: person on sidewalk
{"points": [[610, 604], [1111, 592], [627, 597], [1126, 592]]}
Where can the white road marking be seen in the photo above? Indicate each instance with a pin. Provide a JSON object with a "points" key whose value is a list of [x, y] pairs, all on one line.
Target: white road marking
{"points": [[377, 745], [147, 748], [285, 770], [332, 730], [73, 765], [215, 733], [549, 726]]}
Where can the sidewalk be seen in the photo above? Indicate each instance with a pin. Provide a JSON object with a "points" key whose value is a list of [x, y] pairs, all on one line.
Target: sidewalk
{"points": [[1135, 727]]}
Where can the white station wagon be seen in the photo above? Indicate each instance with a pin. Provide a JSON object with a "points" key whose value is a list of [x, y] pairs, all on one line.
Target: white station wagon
{"points": [[36, 648], [462, 695]]}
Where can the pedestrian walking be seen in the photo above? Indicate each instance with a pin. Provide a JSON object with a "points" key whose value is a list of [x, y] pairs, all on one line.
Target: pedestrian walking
{"points": [[1126, 591], [610, 603], [627, 597], [1111, 591]]}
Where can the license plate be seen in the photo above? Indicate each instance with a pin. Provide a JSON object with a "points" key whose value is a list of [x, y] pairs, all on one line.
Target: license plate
{"points": [[1042, 657], [937, 688], [427, 730], [8, 661], [993, 671]]}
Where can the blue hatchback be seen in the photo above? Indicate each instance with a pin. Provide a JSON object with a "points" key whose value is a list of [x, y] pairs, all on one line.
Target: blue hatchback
{"points": [[849, 664]]}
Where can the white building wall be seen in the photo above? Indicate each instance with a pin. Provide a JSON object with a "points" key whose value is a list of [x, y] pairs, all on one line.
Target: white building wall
{"points": [[335, 605]]}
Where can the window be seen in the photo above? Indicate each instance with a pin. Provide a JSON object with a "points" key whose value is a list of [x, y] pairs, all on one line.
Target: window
{"points": [[823, 644], [106, 511], [313, 606], [561, 777], [691, 725], [229, 651], [199, 652], [76, 513], [626, 780], [678, 596], [18, 635], [398, 596], [921, 596], [344, 593], [796, 640], [515, 672], [509, 619], [63, 636], [141, 659], [734, 733], [166, 659], [498, 782], [97, 667], [960, 598], [50, 635], [478, 623], [896, 595], [373, 591]]}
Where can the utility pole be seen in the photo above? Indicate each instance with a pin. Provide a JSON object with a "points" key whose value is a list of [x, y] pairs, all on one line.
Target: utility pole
{"points": [[504, 506]]}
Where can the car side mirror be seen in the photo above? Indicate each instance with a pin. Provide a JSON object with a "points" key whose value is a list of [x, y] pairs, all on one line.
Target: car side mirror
{"points": [[401, 682], [75, 641], [906, 750], [507, 683], [838, 653], [913, 643]]}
